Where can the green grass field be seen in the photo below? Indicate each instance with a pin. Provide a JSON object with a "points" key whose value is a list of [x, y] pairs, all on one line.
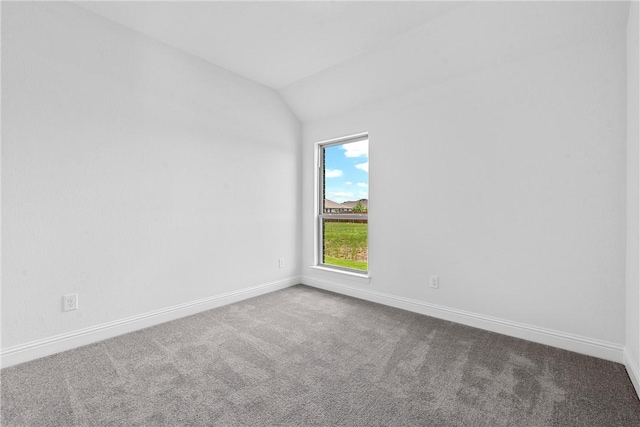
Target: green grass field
{"points": [[345, 245], [347, 263]]}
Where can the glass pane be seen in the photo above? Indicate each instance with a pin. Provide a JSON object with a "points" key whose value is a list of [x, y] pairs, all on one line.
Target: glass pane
{"points": [[345, 243], [346, 177], [345, 190]]}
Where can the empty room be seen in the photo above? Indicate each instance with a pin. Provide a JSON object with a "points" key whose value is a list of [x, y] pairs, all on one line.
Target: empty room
{"points": [[320, 213]]}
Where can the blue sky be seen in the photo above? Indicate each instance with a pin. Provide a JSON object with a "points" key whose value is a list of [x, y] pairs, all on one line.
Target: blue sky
{"points": [[347, 171]]}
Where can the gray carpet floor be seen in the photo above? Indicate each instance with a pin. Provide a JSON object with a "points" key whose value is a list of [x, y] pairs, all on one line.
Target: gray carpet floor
{"points": [[303, 356]]}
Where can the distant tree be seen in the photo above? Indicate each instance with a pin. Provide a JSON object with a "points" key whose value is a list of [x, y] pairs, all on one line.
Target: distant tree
{"points": [[359, 208]]}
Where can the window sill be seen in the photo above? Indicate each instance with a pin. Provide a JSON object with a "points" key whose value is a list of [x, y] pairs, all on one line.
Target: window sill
{"points": [[361, 277]]}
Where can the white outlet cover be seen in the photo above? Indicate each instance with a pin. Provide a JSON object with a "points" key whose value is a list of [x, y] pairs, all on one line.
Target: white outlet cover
{"points": [[434, 281], [70, 302]]}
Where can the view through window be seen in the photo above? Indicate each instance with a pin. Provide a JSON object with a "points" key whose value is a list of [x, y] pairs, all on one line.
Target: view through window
{"points": [[344, 204]]}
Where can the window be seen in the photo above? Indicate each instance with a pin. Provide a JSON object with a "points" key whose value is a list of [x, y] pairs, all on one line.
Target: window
{"points": [[343, 204]]}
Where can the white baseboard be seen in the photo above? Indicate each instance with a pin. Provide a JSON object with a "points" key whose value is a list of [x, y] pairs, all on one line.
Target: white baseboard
{"points": [[56, 344], [632, 370], [566, 341]]}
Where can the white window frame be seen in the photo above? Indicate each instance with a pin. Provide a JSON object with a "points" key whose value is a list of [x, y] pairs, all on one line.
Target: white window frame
{"points": [[320, 215]]}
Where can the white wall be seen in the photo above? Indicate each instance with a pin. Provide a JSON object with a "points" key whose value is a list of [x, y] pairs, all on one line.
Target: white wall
{"points": [[133, 174], [632, 339], [507, 181]]}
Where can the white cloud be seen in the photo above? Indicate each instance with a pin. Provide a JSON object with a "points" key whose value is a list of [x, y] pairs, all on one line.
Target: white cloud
{"points": [[332, 173], [363, 166], [364, 195], [357, 149], [348, 183], [362, 184]]}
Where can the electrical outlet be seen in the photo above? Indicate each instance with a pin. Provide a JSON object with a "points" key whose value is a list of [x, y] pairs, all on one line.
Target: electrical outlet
{"points": [[70, 302], [434, 281], [281, 263]]}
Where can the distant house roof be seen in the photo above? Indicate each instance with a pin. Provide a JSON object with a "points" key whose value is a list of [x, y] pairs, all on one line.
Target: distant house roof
{"points": [[345, 206], [330, 204], [351, 204]]}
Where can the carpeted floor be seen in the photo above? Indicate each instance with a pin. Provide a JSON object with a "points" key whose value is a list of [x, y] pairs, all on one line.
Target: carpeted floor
{"points": [[302, 356]]}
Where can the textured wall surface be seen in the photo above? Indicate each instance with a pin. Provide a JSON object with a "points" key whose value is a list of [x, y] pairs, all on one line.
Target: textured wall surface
{"points": [[508, 182], [633, 190], [133, 174]]}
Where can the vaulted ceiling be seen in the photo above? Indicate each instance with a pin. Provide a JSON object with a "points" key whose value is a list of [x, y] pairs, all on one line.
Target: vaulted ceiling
{"points": [[327, 57]]}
